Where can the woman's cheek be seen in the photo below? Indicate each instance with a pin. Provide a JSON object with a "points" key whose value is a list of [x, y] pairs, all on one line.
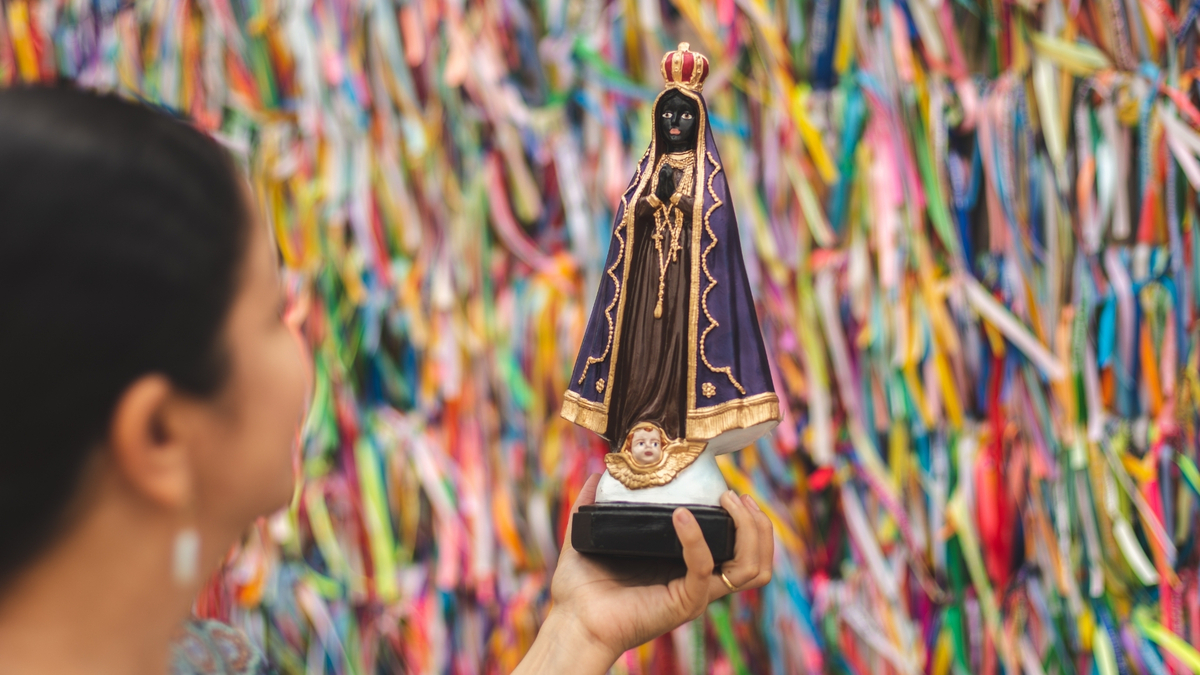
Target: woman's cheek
{"points": [[286, 397], [296, 382], [303, 353]]}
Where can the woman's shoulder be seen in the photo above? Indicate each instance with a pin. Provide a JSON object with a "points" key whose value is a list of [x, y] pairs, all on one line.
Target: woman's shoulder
{"points": [[214, 648]]}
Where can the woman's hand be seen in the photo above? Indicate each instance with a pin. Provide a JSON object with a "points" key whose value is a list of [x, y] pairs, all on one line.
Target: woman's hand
{"points": [[603, 607]]}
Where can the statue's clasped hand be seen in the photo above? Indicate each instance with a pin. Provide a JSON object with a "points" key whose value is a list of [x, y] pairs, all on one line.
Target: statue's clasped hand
{"points": [[666, 183]]}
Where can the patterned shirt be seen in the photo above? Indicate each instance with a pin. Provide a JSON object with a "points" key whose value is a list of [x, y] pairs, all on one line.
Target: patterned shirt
{"points": [[213, 648]]}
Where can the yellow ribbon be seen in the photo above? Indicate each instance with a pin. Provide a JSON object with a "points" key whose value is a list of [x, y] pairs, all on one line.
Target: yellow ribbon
{"points": [[1073, 57]]}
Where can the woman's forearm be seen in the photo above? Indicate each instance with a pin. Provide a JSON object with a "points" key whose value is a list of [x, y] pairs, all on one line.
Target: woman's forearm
{"points": [[563, 645]]}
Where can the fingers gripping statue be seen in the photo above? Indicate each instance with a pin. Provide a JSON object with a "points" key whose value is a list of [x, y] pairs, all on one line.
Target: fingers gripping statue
{"points": [[672, 370]]}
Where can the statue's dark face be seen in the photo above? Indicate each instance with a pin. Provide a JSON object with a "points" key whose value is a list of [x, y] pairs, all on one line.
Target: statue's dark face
{"points": [[678, 116]]}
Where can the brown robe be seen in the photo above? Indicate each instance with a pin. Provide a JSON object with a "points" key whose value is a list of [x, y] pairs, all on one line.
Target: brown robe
{"points": [[651, 378]]}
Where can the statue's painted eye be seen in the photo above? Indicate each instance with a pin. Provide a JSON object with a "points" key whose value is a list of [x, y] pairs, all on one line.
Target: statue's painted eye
{"points": [[666, 116], [686, 116]]}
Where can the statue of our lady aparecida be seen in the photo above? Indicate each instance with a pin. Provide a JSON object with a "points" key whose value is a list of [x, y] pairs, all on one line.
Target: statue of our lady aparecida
{"points": [[672, 370]]}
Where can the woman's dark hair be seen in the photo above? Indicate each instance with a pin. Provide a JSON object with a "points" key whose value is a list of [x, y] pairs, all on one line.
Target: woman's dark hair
{"points": [[121, 235]]}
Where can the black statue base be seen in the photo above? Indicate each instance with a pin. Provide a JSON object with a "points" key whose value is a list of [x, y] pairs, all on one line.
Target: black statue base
{"points": [[647, 530]]}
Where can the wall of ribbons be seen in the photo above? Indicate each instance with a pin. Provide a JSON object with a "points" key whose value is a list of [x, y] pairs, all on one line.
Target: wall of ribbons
{"points": [[972, 230]]}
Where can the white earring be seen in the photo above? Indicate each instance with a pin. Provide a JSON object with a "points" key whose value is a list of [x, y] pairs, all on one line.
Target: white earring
{"points": [[185, 563]]}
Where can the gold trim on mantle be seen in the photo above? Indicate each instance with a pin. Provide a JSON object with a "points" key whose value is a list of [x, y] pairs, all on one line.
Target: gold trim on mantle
{"points": [[707, 423], [702, 423], [697, 233], [587, 414]]}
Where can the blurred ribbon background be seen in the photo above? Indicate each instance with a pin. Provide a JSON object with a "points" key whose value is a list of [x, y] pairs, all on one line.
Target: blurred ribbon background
{"points": [[971, 227]]}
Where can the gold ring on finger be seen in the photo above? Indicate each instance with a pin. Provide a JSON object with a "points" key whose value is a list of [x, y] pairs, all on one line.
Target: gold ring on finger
{"points": [[728, 583]]}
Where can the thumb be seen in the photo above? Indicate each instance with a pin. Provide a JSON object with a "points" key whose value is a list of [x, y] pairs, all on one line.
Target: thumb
{"points": [[691, 590], [587, 495]]}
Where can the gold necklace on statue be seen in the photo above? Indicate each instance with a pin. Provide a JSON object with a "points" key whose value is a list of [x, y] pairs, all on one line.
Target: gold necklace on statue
{"points": [[666, 227]]}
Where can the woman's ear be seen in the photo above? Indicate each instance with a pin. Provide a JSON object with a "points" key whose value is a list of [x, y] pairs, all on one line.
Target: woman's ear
{"points": [[148, 439]]}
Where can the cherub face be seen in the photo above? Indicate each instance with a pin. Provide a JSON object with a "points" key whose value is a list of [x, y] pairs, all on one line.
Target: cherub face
{"points": [[646, 447]]}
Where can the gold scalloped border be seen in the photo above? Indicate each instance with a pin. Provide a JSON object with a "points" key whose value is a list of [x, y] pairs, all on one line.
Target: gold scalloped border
{"points": [[616, 282], [712, 282]]}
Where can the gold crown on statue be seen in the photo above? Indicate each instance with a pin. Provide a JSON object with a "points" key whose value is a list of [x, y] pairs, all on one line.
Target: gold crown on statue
{"points": [[685, 68]]}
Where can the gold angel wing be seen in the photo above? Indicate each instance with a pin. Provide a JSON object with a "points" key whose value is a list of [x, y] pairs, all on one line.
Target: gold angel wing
{"points": [[677, 456]]}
